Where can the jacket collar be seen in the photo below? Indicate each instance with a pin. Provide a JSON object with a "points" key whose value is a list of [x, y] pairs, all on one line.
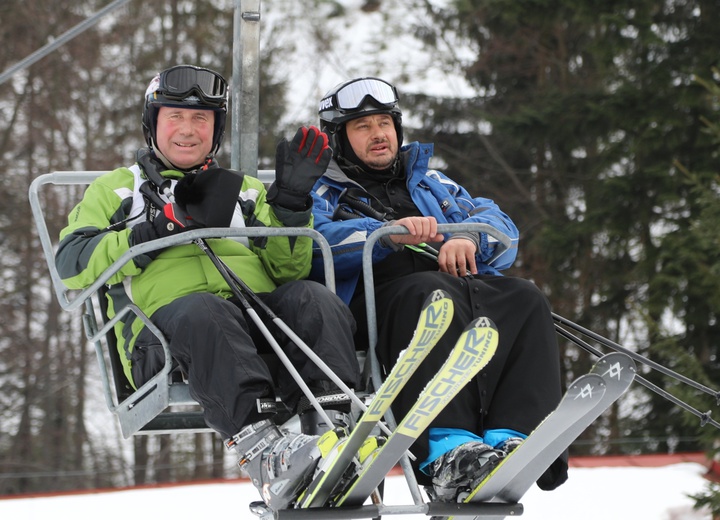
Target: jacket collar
{"points": [[411, 155]]}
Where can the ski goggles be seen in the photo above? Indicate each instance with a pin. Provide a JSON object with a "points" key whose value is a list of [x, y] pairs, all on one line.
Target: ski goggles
{"points": [[352, 96], [181, 81]]}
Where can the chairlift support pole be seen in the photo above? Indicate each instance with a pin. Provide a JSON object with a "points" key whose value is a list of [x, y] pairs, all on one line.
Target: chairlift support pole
{"points": [[245, 103]]}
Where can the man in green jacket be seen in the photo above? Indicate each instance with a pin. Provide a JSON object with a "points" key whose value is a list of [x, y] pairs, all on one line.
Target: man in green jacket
{"points": [[182, 291]]}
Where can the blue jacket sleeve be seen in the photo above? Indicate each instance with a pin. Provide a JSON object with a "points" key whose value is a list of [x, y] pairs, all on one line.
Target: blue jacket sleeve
{"points": [[452, 203], [346, 238]]}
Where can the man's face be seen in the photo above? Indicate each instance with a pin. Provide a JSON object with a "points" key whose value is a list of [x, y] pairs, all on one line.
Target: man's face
{"points": [[185, 135], [373, 139]]}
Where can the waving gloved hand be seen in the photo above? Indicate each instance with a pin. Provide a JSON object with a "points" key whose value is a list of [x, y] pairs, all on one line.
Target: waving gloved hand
{"points": [[297, 166]]}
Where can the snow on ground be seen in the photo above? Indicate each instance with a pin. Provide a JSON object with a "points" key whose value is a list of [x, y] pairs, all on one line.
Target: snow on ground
{"points": [[616, 493]]}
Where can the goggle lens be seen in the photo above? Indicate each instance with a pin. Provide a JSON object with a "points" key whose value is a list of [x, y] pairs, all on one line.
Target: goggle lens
{"points": [[179, 82], [352, 95]]}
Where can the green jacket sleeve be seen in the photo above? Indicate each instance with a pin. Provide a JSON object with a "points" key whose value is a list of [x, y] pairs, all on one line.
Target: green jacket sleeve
{"points": [[86, 248], [284, 258]]}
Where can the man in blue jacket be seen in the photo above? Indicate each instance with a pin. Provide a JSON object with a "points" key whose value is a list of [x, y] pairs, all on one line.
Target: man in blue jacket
{"points": [[372, 182]]}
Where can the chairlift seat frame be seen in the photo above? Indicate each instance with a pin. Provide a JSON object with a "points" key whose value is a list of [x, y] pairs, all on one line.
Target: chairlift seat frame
{"points": [[164, 405]]}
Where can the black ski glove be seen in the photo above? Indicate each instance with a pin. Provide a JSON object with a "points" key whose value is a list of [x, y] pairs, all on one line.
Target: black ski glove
{"points": [[297, 166], [170, 221], [210, 196]]}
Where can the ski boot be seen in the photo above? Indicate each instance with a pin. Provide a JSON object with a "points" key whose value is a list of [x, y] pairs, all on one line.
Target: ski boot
{"points": [[279, 465], [509, 445], [460, 469]]}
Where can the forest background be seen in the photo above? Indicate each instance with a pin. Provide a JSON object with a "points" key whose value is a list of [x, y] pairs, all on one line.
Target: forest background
{"points": [[594, 124]]}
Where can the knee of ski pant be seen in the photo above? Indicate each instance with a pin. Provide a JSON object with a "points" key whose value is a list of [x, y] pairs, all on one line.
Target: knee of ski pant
{"points": [[315, 292], [415, 288], [147, 358], [301, 291], [298, 299], [529, 293]]}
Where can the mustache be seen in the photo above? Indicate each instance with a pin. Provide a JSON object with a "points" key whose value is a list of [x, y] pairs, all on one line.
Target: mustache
{"points": [[379, 141]]}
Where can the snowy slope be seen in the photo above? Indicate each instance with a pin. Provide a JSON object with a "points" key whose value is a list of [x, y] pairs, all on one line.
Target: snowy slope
{"points": [[617, 493]]}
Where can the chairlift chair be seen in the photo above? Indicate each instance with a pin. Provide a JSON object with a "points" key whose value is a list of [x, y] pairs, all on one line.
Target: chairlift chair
{"points": [[163, 404]]}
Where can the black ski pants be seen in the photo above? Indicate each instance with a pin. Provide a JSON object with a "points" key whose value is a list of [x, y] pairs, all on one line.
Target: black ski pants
{"points": [[219, 348], [518, 388]]}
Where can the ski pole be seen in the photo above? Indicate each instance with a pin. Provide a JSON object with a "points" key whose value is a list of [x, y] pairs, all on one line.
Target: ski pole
{"points": [[704, 417], [287, 330], [368, 210], [222, 268], [637, 357]]}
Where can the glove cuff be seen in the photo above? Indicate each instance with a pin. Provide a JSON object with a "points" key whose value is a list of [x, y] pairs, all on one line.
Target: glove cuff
{"points": [[385, 241], [288, 199], [292, 218]]}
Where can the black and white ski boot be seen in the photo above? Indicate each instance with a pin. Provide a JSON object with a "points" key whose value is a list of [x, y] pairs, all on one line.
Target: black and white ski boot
{"points": [[279, 465], [460, 469]]}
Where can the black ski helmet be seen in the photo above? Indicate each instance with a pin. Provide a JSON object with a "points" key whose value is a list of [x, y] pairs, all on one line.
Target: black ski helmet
{"points": [[357, 98], [186, 86]]}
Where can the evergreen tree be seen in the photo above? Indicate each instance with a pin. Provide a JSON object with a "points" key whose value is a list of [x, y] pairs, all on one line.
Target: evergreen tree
{"points": [[584, 111]]}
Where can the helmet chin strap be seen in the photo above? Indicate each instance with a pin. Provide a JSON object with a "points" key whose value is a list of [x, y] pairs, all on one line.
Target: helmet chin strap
{"points": [[165, 160]]}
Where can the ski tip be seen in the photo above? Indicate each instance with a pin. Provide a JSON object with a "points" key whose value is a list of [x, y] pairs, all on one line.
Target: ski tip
{"points": [[618, 359], [439, 306], [435, 296], [587, 387], [618, 369], [482, 323]]}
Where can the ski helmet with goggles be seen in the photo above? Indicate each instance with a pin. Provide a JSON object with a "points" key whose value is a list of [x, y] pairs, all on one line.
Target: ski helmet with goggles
{"points": [[186, 86], [358, 98]]}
